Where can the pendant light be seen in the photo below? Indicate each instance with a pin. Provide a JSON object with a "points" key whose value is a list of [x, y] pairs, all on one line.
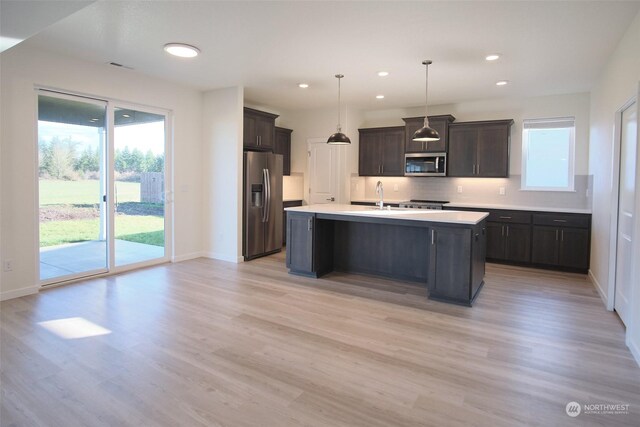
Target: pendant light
{"points": [[339, 138], [426, 133]]}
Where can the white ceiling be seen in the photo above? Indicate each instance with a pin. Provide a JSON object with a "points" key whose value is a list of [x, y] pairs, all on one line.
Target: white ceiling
{"points": [[269, 47]]}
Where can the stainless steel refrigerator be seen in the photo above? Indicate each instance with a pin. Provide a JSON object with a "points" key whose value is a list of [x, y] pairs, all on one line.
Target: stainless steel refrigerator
{"points": [[262, 213]]}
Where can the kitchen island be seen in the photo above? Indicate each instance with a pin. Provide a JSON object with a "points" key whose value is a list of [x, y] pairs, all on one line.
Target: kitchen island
{"points": [[443, 250]]}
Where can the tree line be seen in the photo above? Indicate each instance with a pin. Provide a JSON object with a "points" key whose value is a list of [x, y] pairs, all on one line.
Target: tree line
{"points": [[61, 159]]}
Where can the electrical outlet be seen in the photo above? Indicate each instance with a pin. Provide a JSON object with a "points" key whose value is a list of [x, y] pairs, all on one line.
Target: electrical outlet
{"points": [[8, 265], [395, 187], [502, 191], [459, 188]]}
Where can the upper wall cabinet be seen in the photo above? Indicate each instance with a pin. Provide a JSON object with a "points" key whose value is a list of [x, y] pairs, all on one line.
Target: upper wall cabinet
{"points": [[381, 151], [479, 149], [439, 123], [259, 130], [283, 146]]}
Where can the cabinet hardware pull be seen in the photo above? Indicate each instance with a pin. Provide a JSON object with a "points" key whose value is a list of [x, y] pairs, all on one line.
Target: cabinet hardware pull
{"points": [[310, 224], [507, 231], [559, 220], [556, 234], [505, 217], [433, 237]]}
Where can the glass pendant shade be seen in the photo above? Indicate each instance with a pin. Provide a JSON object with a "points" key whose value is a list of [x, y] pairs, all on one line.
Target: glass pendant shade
{"points": [[339, 138], [426, 133]]}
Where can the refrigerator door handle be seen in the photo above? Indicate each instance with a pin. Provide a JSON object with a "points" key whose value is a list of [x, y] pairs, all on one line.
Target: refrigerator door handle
{"points": [[268, 201], [265, 183]]}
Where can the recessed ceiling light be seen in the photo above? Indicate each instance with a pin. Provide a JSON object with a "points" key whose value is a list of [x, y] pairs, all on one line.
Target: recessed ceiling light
{"points": [[303, 85], [182, 50], [492, 57], [379, 96], [383, 73], [502, 82], [126, 116], [93, 120]]}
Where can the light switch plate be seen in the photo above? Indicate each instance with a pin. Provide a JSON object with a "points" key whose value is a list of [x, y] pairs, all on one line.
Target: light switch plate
{"points": [[459, 188], [502, 191]]}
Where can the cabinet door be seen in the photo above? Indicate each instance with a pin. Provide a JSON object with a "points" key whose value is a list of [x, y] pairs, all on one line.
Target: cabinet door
{"points": [[544, 246], [369, 154], [518, 243], [250, 131], [450, 263], [300, 242], [495, 240], [283, 146], [411, 126], [574, 248], [440, 126], [392, 151], [493, 151], [266, 132], [462, 151]]}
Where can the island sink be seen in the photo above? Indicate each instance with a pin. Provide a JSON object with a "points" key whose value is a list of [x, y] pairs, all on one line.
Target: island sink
{"points": [[443, 250]]}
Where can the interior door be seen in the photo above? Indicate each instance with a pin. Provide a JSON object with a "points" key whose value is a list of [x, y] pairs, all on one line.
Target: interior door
{"points": [[626, 211], [323, 172]]}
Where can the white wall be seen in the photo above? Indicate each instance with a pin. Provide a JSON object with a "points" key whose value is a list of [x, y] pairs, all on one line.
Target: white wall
{"points": [[222, 118], [22, 68], [617, 84]]}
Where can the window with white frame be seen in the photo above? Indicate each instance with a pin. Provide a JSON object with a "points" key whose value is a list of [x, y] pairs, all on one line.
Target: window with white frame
{"points": [[548, 154]]}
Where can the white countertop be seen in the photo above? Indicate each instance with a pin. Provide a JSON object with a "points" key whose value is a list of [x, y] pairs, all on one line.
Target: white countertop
{"points": [[451, 217], [516, 207], [489, 206]]}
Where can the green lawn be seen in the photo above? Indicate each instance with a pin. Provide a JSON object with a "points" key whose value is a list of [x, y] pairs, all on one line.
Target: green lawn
{"points": [[85, 192], [134, 228]]}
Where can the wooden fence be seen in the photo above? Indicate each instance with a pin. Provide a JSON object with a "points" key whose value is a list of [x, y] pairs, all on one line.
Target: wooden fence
{"points": [[152, 187]]}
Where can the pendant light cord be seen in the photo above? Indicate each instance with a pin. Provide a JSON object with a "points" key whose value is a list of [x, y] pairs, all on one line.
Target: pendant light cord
{"points": [[339, 127], [426, 93]]}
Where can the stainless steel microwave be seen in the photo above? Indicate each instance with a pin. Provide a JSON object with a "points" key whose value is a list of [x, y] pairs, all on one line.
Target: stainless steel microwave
{"points": [[425, 164]]}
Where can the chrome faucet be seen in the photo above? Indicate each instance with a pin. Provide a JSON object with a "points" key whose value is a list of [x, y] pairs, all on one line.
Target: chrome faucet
{"points": [[380, 192]]}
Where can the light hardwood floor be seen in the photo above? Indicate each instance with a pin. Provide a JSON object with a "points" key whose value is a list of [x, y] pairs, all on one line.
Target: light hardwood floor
{"points": [[208, 343]]}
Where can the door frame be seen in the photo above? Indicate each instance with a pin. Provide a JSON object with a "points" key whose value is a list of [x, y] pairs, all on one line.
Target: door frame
{"points": [[110, 205], [615, 204]]}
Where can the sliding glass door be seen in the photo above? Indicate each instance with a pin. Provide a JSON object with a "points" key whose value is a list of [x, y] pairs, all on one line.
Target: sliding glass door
{"points": [[139, 186], [102, 186], [72, 186]]}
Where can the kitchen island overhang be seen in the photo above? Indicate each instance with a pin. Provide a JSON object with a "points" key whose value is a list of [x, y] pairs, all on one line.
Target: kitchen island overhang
{"points": [[443, 250]]}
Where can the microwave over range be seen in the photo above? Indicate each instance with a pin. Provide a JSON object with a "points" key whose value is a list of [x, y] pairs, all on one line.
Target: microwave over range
{"points": [[425, 164]]}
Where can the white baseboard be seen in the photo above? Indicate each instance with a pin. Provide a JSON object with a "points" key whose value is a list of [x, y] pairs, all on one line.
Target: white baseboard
{"points": [[17, 293], [635, 350], [596, 284], [186, 257], [223, 257]]}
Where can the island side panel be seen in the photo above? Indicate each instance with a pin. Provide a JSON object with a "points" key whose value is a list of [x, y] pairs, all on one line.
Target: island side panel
{"points": [[395, 251], [300, 243], [450, 264]]}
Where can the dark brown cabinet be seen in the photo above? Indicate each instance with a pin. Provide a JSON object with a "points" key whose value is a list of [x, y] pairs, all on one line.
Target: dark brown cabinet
{"points": [[287, 204], [381, 151], [509, 236], [561, 240], [282, 146], [479, 149], [439, 123], [300, 236], [258, 130], [458, 281]]}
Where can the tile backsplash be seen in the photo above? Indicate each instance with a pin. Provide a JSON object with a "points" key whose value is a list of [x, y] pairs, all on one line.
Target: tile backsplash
{"points": [[473, 190]]}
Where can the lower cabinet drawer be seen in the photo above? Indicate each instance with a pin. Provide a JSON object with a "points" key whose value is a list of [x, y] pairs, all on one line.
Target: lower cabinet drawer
{"points": [[562, 220]]}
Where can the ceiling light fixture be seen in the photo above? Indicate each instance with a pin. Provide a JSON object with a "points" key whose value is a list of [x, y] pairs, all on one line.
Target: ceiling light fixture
{"points": [[379, 96], [426, 133], [502, 82], [339, 138], [126, 116], [303, 85], [182, 50], [383, 73], [492, 57]]}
